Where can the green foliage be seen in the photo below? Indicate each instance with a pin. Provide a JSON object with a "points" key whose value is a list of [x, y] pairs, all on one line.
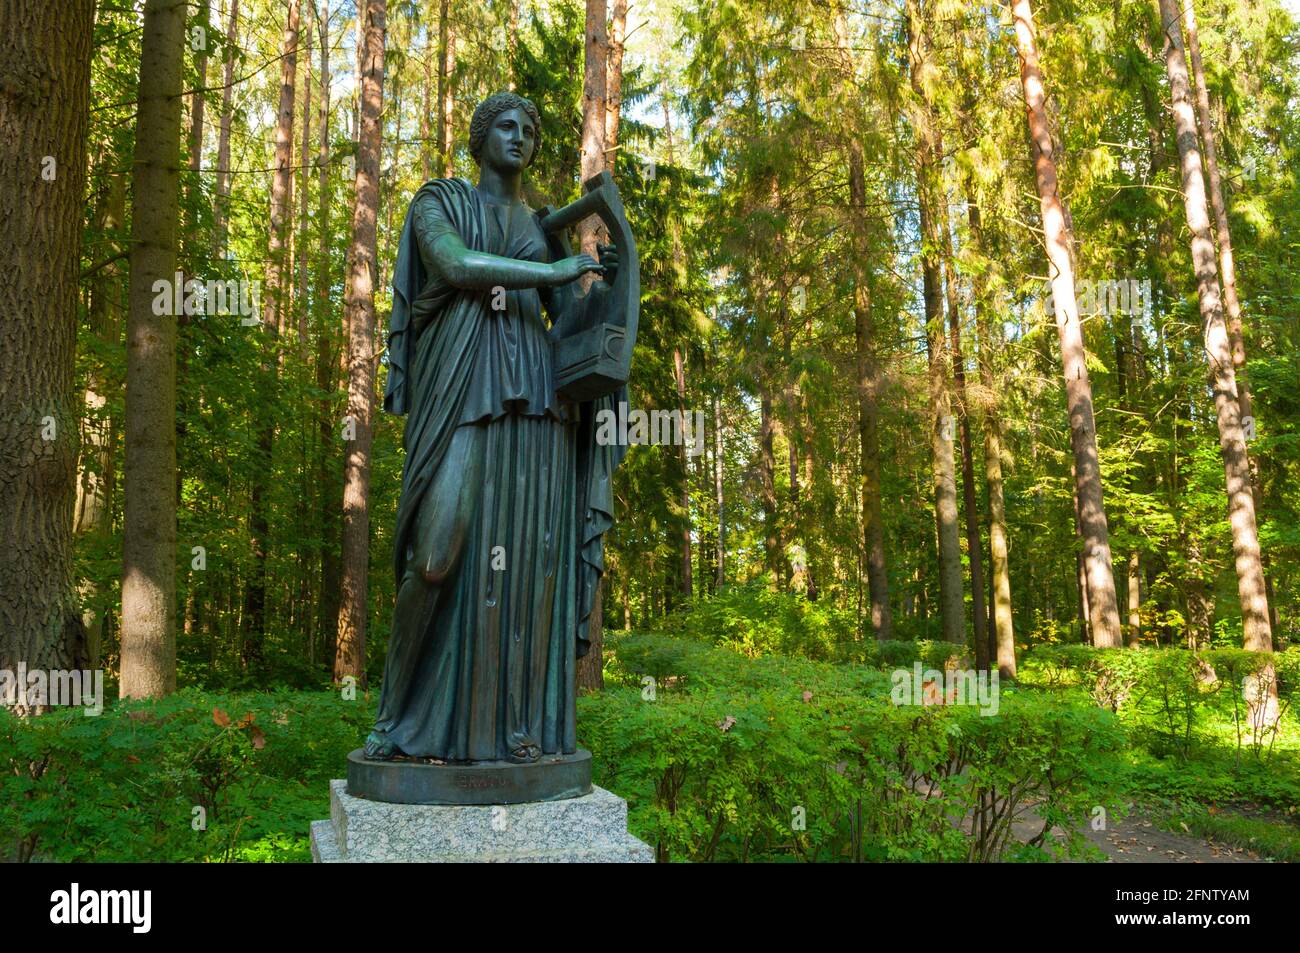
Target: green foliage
{"points": [[125, 786], [731, 759]]}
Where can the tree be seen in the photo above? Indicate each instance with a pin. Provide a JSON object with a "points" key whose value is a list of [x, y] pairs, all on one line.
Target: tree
{"points": [[149, 505], [278, 284], [44, 96], [350, 655], [594, 91], [929, 151], [221, 211], [1256, 625], [1093, 528]]}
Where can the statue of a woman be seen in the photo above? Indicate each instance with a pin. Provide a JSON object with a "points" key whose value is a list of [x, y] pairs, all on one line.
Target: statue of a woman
{"points": [[505, 491]]}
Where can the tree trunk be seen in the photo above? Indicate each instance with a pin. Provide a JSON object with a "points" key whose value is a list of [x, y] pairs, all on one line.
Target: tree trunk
{"points": [[772, 548], [446, 99], [952, 607], [1232, 444], [45, 52], [717, 492], [196, 97], [868, 388], [148, 633], [350, 658], [222, 209], [1102, 604], [1134, 599], [302, 304], [330, 487], [1003, 650], [614, 78], [688, 575], [92, 517], [592, 158], [277, 288], [974, 542]]}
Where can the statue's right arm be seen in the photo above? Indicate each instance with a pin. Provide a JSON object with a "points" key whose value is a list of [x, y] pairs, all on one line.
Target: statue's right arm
{"points": [[463, 268], [445, 252]]}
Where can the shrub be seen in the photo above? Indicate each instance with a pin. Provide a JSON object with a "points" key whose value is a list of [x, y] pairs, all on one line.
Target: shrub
{"points": [[788, 759], [124, 786]]}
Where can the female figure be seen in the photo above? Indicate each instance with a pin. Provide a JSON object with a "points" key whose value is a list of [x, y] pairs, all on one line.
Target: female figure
{"points": [[505, 492]]}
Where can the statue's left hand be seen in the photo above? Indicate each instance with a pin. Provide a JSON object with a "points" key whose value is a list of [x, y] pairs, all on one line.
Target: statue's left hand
{"points": [[608, 255]]}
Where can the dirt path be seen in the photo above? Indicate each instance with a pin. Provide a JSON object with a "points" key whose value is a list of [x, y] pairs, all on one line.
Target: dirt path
{"points": [[1138, 839]]}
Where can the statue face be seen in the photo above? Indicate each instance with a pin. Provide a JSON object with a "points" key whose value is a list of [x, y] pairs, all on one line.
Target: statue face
{"points": [[510, 141]]}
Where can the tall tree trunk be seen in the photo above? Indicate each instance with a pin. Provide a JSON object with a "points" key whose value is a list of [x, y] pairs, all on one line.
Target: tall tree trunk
{"points": [[222, 210], [302, 304], [1232, 444], [772, 546], [868, 387], [717, 493], [196, 97], [952, 608], [688, 575], [446, 99], [148, 633], [92, 517], [278, 280], [45, 54], [974, 542], [350, 658], [614, 78], [1102, 602], [866, 364], [592, 156], [1134, 599], [329, 486], [1003, 649], [1227, 264]]}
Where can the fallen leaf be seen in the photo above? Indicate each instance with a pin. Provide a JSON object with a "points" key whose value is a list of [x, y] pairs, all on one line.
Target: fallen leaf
{"points": [[246, 720], [726, 723], [221, 718], [259, 738]]}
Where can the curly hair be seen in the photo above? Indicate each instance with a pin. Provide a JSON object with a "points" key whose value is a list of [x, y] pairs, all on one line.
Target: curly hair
{"points": [[486, 113]]}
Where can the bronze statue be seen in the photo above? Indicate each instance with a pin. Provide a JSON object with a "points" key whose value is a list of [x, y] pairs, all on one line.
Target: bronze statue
{"points": [[506, 493]]}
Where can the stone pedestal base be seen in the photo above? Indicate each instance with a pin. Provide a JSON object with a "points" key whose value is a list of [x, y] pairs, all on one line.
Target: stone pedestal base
{"points": [[587, 829]]}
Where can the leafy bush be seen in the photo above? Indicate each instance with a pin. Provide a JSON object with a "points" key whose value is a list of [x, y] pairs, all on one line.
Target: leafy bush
{"points": [[125, 785], [789, 759], [756, 621]]}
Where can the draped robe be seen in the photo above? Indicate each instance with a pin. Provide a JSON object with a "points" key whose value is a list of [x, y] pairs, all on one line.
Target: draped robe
{"points": [[494, 668]]}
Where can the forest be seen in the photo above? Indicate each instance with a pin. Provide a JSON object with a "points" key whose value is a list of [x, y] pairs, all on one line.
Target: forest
{"points": [[978, 322]]}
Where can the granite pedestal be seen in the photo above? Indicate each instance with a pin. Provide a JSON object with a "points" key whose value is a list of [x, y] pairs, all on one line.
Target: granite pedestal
{"points": [[591, 828]]}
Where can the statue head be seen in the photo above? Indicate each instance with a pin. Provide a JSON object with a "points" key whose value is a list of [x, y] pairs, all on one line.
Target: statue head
{"points": [[506, 131]]}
